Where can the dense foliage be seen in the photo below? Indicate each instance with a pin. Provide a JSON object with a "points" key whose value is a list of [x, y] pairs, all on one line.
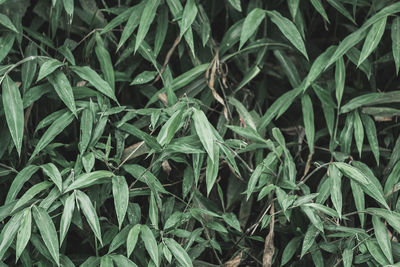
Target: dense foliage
{"points": [[199, 132]]}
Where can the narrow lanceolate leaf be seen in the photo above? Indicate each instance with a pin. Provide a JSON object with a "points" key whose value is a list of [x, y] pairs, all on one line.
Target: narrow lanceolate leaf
{"points": [[48, 67], [251, 24], [373, 38], [372, 136], [66, 217], [308, 119], [91, 76], [169, 129], [69, 6], [31, 193], [340, 78], [290, 250], [51, 171], [104, 58], [146, 19], [236, 4], [204, 131], [55, 129], [336, 192], [318, 66], [358, 132], [212, 169], [339, 7], [121, 197], [8, 233], [23, 176], [14, 111], [132, 239], [179, 253], [382, 237], [90, 213], [64, 90], [309, 239], [47, 231], [88, 179], [28, 69], [392, 179], [289, 30], [86, 130], [24, 232], [150, 243], [395, 33], [320, 8], [6, 22], [347, 257], [189, 15], [353, 173], [131, 24], [359, 200]]}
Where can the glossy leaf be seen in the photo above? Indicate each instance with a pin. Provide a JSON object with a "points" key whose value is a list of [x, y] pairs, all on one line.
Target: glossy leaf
{"points": [[121, 197], [146, 19], [63, 89], [251, 24]]}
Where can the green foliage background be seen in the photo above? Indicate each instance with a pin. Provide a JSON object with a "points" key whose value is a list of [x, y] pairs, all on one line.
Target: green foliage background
{"points": [[199, 133]]}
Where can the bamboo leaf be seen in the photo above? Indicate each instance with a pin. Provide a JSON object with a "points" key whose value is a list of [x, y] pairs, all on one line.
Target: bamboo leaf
{"points": [[14, 110], [24, 233], [132, 238], [121, 197], [90, 213], [372, 40], [48, 67], [66, 217], [382, 238], [48, 232], [63, 89], [150, 243], [289, 30], [147, 17], [395, 33], [308, 119], [179, 253], [251, 24]]}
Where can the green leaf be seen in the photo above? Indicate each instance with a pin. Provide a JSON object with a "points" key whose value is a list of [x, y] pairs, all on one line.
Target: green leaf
{"points": [[339, 7], [179, 253], [55, 129], [290, 250], [236, 4], [48, 67], [121, 197], [104, 58], [88, 74], [118, 20], [144, 77], [88, 179], [309, 239], [31, 193], [314, 218], [8, 233], [336, 190], [64, 90], [150, 140], [347, 257], [289, 30], [170, 127], [14, 111], [353, 173], [6, 22], [24, 233], [395, 33], [359, 200], [372, 40], [370, 130], [188, 16], [146, 19], [391, 217], [289, 67], [19, 181], [131, 24], [162, 29], [392, 179], [28, 69], [251, 24], [90, 213], [132, 238], [358, 132], [6, 42], [205, 133], [255, 176], [69, 7], [47, 231], [340, 78], [212, 169], [244, 114], [143, 175], [308, 119], [66, 216], [150, 243], [86, 130], [376, 252], [382, 237], [320, 8]]}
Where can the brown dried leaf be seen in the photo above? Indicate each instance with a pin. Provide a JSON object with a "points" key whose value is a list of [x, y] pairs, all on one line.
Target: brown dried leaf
{"points": [[166, 167], [163, 97], [234, 262], [269, 248]]}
